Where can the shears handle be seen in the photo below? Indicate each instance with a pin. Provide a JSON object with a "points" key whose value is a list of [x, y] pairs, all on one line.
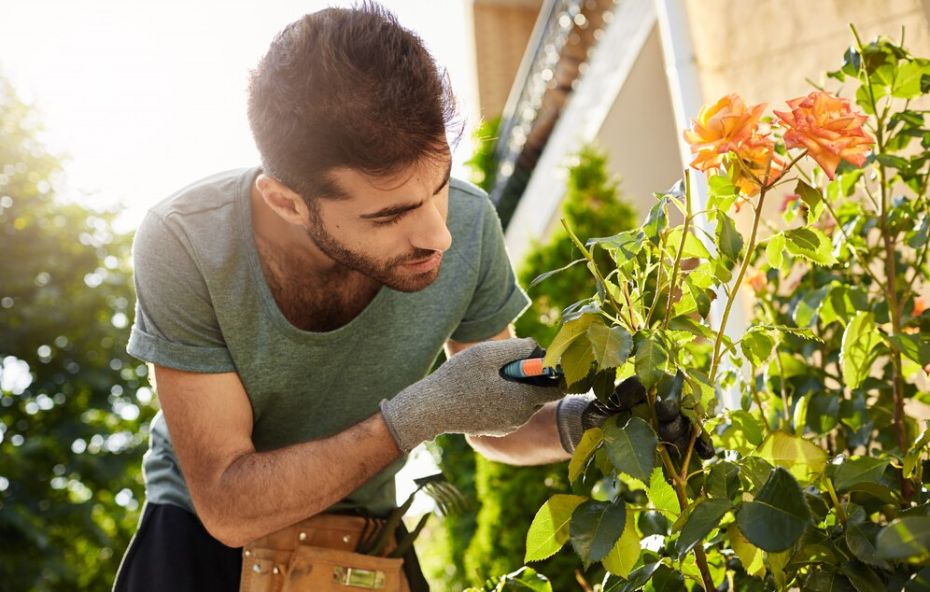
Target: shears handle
{"points": [[530, 370]]}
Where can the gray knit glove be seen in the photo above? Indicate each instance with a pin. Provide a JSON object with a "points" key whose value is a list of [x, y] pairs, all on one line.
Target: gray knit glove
{"points": [[467, 395], [577, 414]]}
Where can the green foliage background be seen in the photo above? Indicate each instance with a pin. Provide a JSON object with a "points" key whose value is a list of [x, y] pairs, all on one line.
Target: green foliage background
{"points": [[71, 441]]}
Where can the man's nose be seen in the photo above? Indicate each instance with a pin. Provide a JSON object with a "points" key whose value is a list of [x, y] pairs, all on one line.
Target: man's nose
{"points": [[432, 233]]}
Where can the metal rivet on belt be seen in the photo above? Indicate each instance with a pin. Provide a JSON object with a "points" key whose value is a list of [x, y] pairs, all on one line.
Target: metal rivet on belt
{"points": [[276, 570], [247, 553], [302, 536], [257, 568], [346, 539]]}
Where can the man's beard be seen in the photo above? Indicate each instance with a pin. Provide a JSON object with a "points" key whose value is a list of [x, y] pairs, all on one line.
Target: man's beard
{"points": [[388, 273]]}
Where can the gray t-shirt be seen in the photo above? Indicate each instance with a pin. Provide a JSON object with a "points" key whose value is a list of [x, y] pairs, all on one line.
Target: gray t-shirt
{"points": [[203, 306]]}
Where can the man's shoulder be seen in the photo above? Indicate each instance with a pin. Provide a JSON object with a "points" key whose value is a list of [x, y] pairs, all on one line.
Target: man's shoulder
{"points": [[217, 191], [468, 205]]}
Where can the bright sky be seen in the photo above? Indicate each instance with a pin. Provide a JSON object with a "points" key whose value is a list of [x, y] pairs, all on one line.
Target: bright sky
{"points": [[146, 97]]}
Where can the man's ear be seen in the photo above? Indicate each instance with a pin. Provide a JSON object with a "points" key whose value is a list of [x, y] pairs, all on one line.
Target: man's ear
{"points": [[285, 202]]}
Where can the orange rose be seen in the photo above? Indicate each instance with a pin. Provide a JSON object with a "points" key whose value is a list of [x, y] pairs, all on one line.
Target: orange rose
{"points": [[757, 281], [720, 128], [919, 307], [759, 164], [828, 129]]}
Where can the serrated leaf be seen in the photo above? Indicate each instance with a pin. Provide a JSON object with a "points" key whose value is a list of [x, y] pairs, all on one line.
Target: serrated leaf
{"points": [[729, 240], [623, 556], [524, 578], [860, 540], [804, 459], [595, 528], [550, 528], [651, 359], [723, 481], [693, 245], [577, 360], [778, 516], [825, 580], [757, 345], [590, 440], [705, 516], [907, 82], [807, 308], [631, 448], [857, 354], [661, 494], [905, 538], [610, 346], [568, 333], [853, 471], [915, 347], [811, 244], [862, 577]]}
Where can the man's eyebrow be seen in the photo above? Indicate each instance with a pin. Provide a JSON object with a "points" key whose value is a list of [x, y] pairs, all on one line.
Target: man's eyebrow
{"points": [[400, 209]]}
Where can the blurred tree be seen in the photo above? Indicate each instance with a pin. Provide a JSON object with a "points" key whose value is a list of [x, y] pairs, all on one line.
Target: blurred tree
{"points": [[510, 496], [72, 402]]}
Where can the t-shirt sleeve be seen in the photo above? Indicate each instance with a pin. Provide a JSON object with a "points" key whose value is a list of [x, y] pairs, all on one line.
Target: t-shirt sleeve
{"points": [[498, 299], [175, 325]]}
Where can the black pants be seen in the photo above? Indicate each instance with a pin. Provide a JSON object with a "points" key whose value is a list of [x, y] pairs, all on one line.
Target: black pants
{"points": [[172, 551]]}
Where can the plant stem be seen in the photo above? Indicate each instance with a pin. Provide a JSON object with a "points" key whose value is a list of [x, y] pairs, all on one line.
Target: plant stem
{"points": [[734, 292], [840, 512], [853, 248], [681, 248], [888, 240], [594, 269]]}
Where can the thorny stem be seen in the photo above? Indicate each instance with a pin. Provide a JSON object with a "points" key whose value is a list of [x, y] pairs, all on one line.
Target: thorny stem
{"points": [[594, 269]]}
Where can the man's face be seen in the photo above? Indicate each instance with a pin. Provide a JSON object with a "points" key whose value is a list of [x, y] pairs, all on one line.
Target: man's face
{"points": [[391, 230]]}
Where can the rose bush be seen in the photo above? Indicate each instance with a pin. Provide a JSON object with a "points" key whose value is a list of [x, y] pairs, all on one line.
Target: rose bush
{"points": [[818, 479]]}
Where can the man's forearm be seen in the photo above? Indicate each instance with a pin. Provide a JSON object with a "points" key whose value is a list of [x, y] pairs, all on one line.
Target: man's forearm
{"points": [[534, 443], [261, 492]]}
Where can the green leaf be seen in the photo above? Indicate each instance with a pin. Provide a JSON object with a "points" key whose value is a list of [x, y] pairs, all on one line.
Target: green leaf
{"points": [[543, 276], [667, 579], [757, 345], [813, 198], [775, 250], [639, 578], [857, 353], [550, 528], [610, 346], [857, 470], [804, 459], [577, 360], [693, 245], [905, 539], [524, 578], [590, 440], [651, 359], [729, 240], [778, 516], [907, 82], [744, 434], [721, 193], [807, 308], [723, 481], [623, 556], [810, 244], [656, 222], [913, 455], [631, 448], [862, 577], [827, 581], [568, 333], [860, 538], [595, 528], [661, 494], [705, 516], [749, 555], [915, 347]]}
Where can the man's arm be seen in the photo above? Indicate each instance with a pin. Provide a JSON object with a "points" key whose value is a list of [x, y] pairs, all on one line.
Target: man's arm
{"points": [[534, 443], [241, 494]]}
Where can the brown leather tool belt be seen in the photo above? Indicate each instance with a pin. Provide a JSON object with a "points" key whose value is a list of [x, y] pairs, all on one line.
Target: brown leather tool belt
{"points": [[318, 554]]}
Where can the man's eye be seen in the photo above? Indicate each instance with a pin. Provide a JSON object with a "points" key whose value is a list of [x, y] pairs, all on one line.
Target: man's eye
{"points": [[389, 221]]}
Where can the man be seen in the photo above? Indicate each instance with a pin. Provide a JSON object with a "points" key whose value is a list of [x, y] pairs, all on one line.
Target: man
{"points": [[291, 312]]}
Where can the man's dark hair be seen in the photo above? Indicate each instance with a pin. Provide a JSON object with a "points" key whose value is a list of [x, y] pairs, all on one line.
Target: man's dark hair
{"points": [[347, 88]]}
